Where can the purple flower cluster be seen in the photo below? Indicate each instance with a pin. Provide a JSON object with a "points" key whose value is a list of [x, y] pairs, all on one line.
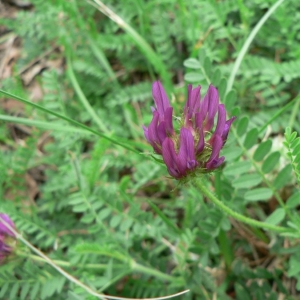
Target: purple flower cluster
{"points": [[5, 235], [197, 147]]}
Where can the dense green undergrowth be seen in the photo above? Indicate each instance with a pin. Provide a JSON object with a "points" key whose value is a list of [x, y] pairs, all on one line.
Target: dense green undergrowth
{"points": [[98, 204]]}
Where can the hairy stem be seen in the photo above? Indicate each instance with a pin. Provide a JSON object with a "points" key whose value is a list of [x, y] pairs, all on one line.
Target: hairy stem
{"points": [[206, 192]]}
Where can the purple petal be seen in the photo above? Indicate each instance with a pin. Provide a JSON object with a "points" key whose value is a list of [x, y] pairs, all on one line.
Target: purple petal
{"points": [[193, 103], [199, 119], [215, 163], [204, 106], [186, 154], [212, 97], [160, 98], [168, 118], [161, 131], [153, 137], [188, 102], [221, 120], [227, 128], [217, 144], [170, 158], [201, 143]]}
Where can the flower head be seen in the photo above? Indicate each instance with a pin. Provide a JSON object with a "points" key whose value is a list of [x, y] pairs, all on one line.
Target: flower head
{"points": [[196, 148], [6, 237]]}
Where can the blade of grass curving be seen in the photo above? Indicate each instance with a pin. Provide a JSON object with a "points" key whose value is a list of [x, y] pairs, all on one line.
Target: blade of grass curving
{"points": [[90, 35], [295, 111], [42, 124], [141, 43], [247, 43], [71, 277], [295, 102], [164, 218], [82, 98], [48, 111]]}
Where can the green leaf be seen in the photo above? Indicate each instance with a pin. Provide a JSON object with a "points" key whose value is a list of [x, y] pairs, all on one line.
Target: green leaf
{"points": [[207, 66], [216, 77], [104, 213], [258, 194], [270, 163], [115, 221], [88, 248], [14, 290], [251, 138], [80, 208], [237, 168], [247, 181], [4, 289], [242, 126], [222, 88], [125, 225], [241, 292], [262, 150], [288, 132], [295, 143], [276, 217], [283, 177], [232, 152], [193, 77], [192, 63], [294, 266], [34, 291], [24, 291], [230, 100], [296, 150], [292, 137], [294, 200]]}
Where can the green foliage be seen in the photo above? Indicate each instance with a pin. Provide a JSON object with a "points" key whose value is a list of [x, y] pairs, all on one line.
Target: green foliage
{"points": [[292, 143], [111, 217]]}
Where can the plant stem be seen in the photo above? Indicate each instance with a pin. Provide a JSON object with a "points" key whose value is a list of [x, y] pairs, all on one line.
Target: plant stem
{"points": [[134, 266], [247, 43], [63, 263], [295, 102], [108, 137], [149, 271], [82, 97], [206, 192], [295, 111], [140, 42], [72, 278]]}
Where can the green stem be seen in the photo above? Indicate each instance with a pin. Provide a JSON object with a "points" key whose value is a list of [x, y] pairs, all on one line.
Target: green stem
{"points": [[152, 272], [165, 219], [63, 263], [295, 102], [247, 43], [53, 113], [134, 266], [72, 278], [82, 97], [206, 192], [140, 42], [295, 111]]}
